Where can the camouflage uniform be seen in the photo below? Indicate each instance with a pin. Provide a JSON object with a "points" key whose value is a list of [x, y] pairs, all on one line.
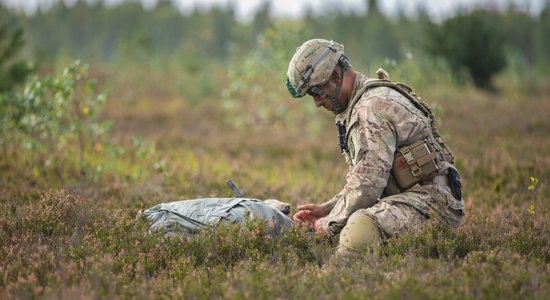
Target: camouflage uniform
{"points": [[377, 122]]}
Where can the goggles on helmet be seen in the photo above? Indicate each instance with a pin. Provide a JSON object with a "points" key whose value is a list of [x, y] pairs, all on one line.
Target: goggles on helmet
{"points": [[306, 75], [291, 89]]}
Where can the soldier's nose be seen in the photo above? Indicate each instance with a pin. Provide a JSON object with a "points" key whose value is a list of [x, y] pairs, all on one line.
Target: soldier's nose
{"points": [[317, 101]]}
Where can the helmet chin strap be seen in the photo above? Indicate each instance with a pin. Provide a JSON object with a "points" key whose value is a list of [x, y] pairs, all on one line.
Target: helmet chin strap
{"points": [[336, 107]]}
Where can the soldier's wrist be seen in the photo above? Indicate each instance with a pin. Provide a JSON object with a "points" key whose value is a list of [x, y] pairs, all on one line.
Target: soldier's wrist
{"points": [[327, 206]]}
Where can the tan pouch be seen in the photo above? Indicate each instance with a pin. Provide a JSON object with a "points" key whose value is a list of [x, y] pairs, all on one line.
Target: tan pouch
{"points": [[414, 163]]}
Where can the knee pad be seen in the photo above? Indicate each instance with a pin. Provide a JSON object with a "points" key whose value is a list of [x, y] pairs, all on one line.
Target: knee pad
{"points": [[359, 234]]}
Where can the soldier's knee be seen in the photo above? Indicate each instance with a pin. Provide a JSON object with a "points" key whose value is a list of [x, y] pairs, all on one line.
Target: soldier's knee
{"points": [[359, 234]]}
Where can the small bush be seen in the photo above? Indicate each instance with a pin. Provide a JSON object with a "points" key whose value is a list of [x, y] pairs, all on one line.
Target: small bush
{"points": [[53, 121]]}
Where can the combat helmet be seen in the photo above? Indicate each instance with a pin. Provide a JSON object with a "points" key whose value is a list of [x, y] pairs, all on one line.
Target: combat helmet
{"points": [[312, 65]]}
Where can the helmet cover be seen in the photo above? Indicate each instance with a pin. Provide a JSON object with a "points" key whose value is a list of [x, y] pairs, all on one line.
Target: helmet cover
{"points": [[312, 65]]}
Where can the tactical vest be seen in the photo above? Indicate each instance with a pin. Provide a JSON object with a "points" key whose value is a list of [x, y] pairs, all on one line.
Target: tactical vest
{"points": [[418, 161]]}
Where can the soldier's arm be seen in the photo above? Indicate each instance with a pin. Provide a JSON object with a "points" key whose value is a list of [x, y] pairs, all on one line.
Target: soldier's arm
{"points": [[329, 205], [374, 141]]}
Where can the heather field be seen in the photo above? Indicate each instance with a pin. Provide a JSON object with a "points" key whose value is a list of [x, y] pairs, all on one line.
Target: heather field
{"points": [[71, 229], [85, 145]]}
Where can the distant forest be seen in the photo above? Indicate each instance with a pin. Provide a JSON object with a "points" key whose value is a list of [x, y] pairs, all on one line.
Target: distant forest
{"points": [[99, 33]]}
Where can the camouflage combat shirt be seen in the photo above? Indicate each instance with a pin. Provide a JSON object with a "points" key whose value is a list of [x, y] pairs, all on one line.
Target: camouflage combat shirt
{"points": [[377, 121]]}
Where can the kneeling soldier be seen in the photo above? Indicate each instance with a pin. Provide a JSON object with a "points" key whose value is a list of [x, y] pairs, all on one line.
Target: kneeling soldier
{"points": [[401, 171]]}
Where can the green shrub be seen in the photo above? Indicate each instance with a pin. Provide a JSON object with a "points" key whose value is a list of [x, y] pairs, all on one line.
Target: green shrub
{"points": [[256, 97], [13, 71], [53, 121], [469, 42]]}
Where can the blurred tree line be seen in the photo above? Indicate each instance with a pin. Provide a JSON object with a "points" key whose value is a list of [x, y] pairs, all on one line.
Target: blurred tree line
{"points": [[478, 41]]}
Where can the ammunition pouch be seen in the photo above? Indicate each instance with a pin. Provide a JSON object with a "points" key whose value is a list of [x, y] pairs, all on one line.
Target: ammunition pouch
{"points": [[415, 163]]}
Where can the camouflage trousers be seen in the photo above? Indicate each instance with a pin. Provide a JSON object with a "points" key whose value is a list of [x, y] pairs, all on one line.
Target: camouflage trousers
{"points": [[397, 214]]}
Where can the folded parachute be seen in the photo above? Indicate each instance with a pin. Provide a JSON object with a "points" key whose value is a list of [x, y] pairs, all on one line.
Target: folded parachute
{"points": [[196, 214]]}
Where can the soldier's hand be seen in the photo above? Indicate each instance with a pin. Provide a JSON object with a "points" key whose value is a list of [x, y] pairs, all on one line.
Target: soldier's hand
{"points": [[308, 214], [320, 226]]}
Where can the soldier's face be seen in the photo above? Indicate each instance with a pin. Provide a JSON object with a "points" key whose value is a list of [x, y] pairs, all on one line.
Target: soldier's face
{"points": [[321, 101]]}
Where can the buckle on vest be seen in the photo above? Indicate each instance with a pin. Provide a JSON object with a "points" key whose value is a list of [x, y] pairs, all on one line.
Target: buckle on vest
{"points": [[411, 161], [416, 171], [407, 155]]}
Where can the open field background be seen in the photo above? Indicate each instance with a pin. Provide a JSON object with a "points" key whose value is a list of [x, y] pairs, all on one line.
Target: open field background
{"points": [[177, 126]]}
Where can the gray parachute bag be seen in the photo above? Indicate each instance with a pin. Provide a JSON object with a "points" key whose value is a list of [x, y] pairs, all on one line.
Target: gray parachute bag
{"points": [[196, 214]]}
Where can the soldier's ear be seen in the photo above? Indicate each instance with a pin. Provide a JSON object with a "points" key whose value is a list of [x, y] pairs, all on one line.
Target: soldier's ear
{"points": [[335, 77]]}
